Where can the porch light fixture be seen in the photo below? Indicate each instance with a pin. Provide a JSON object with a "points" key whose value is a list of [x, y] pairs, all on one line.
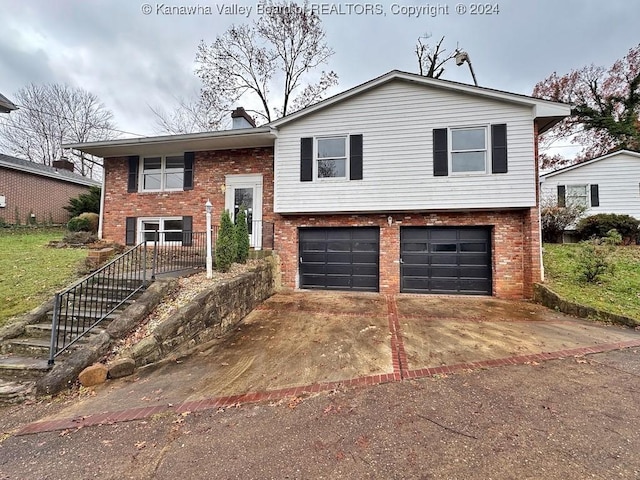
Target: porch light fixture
{"points": [[208, 207]]}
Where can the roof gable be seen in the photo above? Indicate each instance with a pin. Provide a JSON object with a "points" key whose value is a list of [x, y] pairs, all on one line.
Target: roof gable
{"points": [[589, 162], [543, 109]]}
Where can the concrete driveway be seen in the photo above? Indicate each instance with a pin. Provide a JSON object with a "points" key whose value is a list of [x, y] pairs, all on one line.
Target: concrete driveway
{"points": [[304, 342]]}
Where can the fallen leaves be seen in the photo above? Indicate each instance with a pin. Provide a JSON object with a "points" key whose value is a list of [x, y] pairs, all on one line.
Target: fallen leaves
{"points": [[294, 402]]}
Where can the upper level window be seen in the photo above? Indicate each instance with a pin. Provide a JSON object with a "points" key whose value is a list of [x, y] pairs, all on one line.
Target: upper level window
{"points": [[332, 157], [469, 150], [162, 173], [577, 195]]}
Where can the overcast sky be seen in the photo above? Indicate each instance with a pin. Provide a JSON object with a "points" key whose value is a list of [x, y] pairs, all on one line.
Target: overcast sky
{"points": [[131, 60]]}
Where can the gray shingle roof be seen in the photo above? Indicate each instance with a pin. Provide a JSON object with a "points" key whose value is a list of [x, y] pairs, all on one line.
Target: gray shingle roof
{"points": [[45, 171], [6, 105]]}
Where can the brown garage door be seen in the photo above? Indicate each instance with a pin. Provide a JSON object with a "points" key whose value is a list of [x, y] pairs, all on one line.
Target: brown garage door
{"points": [[446, 260]]}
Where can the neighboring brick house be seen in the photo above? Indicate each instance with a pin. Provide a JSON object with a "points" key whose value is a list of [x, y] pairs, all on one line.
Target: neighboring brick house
{"points": [[30, 192], [402, 184]]}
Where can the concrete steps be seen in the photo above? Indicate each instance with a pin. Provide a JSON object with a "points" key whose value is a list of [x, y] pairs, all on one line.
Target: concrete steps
{"points": [[24, 359]]}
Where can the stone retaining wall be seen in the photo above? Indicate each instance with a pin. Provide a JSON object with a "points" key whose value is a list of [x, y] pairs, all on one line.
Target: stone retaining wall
{"points": [[209, 315], [547, 297]]}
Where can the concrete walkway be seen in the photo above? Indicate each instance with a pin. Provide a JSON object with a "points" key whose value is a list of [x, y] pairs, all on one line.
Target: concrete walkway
{"points": [[305, 342]]}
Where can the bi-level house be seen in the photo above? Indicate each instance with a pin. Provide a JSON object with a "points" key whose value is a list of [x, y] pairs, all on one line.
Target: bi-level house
{"points": [[401, 184]]}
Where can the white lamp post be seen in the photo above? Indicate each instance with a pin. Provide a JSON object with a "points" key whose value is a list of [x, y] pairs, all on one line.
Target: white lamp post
{"points": [[208, 207]]}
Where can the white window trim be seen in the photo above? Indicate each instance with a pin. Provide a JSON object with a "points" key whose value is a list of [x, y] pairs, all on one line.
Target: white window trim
{"points": [[163, 172], [587, 193], [344, 136], [160, 221], [487, 150]]}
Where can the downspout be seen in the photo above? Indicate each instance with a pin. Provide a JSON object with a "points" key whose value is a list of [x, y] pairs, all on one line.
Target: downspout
{"points": [[101, 220]]}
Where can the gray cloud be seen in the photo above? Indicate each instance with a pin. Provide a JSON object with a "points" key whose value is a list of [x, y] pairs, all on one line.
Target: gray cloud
{"points": [[131, 60]]}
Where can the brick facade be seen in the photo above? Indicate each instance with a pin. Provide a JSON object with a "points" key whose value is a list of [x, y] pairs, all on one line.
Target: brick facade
{"points": [[515, 244], [210, 169], [28, 193], [515, 233]]}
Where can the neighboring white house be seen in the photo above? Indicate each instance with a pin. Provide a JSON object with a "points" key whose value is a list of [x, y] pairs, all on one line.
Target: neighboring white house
{"points": [[606, 184]]}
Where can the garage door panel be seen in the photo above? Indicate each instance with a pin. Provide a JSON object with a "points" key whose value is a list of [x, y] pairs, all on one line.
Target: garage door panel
{"points": [[476, 285], [367, 270], [313, 257], [344, 258], [473, 247], [339, 257], [473, 272], [473, 259], [338, 269], [446, 260], [343, 246], [366, 258]]}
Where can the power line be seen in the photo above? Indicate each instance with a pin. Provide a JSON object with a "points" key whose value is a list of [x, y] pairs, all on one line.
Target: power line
{"points": [[58, 116]]}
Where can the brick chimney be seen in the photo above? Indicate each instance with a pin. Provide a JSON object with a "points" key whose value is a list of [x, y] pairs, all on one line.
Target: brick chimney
{"points": [[241, 119], [63, 164]]}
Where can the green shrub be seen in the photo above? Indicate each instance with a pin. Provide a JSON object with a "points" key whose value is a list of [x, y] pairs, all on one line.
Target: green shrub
{"points": [[598, 226], [225, 243], [242, 237], [77, 224], [94, 220], [79, 238], [594, 258], [85, 202]]}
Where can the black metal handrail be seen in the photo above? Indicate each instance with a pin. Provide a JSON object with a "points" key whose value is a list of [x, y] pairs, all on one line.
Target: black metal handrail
{"points": [[81, 307]]}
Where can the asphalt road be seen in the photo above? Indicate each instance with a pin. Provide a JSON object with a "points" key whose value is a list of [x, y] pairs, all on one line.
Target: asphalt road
{"points": [[574, 418]]}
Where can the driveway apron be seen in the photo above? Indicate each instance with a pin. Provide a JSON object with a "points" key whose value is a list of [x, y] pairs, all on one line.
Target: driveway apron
{"points": [[307, 342]]}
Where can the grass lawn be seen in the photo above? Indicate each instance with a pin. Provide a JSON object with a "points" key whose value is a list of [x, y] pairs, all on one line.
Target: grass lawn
{"points": [[30, 272], [617, 292]]}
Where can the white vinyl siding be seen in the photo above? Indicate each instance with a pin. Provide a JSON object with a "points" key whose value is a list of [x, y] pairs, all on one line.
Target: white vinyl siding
{"points": [[397, 120], [617, 177]]}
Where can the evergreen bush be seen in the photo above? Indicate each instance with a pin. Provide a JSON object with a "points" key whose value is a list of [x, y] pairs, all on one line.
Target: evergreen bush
{"points": [[225, 243], [242, 237]]}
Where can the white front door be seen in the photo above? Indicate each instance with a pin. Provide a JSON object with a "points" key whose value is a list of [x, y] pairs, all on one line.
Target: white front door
{"points": [[245, 191]]}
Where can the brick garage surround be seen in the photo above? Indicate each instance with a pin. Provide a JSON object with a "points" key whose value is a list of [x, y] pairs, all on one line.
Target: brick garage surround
{"points": [[45, 197], [210, 168], [515, 244]]}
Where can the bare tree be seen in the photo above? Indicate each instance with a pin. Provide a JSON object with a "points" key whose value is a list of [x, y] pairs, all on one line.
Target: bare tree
{"points": [[272, 62], [191, 115], [51, 115], [431, 60]]}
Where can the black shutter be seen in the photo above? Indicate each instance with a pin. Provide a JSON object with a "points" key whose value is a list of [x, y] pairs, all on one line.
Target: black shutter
{"points": [[355, 157], [134, 164], [499, 148], [306, 159], [562, 200], [440, 153], [130, 236], [189, 160], [187, 231], [595, 196]]}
